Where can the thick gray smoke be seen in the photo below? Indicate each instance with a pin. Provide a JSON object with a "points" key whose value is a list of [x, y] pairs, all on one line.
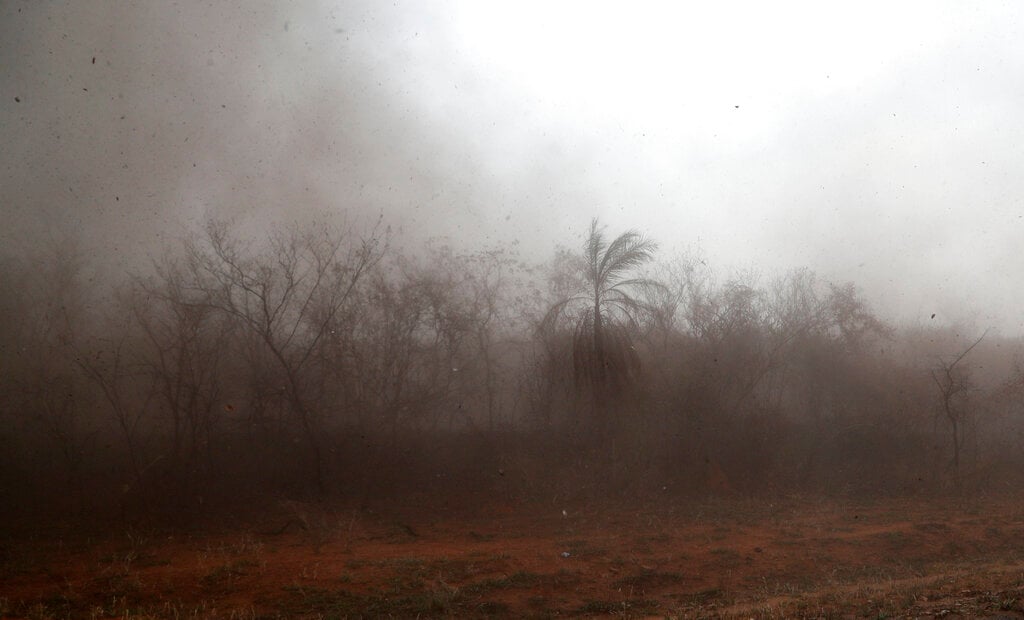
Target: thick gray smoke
{"points": [[878, 149], [132, 122]]}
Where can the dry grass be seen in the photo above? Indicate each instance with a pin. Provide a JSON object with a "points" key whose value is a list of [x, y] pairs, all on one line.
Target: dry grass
{"points": [[797, 558]]}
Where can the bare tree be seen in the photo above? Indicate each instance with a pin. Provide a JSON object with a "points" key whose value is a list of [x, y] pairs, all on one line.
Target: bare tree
{"points": [[410, 360], [42, 311], [287, 295], [686, 282], [107, 362], [482, 290], [955, 384], [188, 343]]}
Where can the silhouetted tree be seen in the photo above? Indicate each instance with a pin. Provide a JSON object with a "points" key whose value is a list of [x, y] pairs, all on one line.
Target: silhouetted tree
{"points": [[42, 314], [188, 342], [110, 363], [955, 384], [606, 315], [286, 296]]}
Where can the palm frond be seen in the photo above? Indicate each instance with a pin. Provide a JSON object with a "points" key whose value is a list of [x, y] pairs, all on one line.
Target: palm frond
{"points": [[595, 249], [627, 252], [629, 306], [557, 311], [605, 320], [646, 285]]}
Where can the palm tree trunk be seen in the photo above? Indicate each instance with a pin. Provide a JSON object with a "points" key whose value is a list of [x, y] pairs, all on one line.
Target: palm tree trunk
{"points": [[599, 377]]}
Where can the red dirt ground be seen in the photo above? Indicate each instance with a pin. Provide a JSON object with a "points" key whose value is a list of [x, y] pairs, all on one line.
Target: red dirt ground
{"points": [[723, 558]]}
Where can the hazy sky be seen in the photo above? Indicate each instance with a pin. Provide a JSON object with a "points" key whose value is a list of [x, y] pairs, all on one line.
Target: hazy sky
{"points": [[876, 142]]}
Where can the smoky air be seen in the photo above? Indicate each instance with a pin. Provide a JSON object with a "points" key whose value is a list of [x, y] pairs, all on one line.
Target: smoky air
{"points": [[458, 309]]}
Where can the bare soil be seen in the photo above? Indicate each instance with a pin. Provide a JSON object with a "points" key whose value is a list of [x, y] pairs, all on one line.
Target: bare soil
{"points": [[796, 557]]}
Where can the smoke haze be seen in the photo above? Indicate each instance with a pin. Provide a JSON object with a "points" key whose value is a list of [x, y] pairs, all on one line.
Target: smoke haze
{"points": [[871, 144]]}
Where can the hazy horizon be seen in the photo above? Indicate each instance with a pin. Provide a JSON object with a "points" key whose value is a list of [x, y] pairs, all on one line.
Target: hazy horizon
{"points": [[869, 142]]}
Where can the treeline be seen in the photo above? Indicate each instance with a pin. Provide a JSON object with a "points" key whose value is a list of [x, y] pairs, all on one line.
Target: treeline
{"points": [[320, 362]]}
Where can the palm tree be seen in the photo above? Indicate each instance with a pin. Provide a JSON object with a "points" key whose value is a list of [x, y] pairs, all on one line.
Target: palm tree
{"points": [[606, 313]]}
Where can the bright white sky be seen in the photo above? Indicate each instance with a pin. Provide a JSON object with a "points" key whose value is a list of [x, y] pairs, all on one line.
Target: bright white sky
{"points": [[877, 142], [648, 64], [870, 141]]}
